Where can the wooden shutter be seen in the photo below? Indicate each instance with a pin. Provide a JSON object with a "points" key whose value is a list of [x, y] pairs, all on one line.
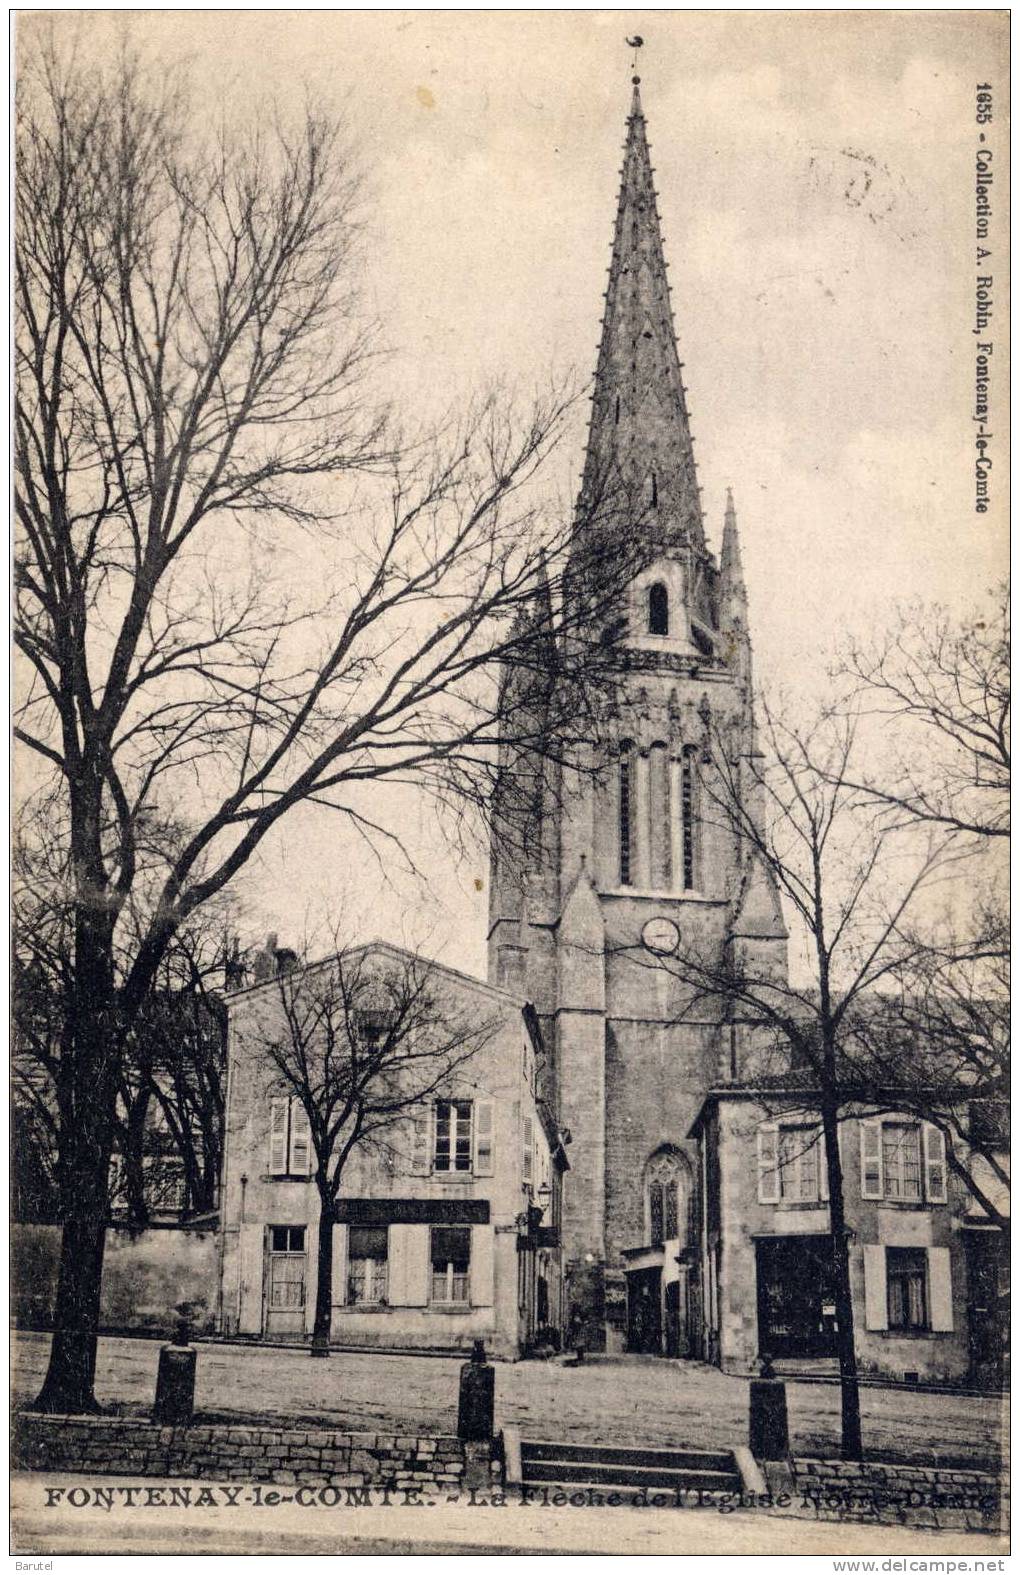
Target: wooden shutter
{"points": [[251, 1244], [339, 1293], [483, 1114], [482, 1286], [940, 1288], [278, 1137], [876, 1301], [768, 1163], [409, 1265], [300, 1140], [529, 1149], [418, 1266], [872, 1181], [422, 1141], [823, 1166], [934, 1164], [311, 1274]]}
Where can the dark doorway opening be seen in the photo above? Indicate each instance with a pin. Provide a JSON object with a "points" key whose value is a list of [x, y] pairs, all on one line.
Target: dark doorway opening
{"points": [[796, 1296], [644, 1311], [676, 1336], [987, 1306]]}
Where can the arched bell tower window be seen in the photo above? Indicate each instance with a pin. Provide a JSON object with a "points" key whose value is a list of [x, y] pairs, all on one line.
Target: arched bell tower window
{"points": [[658, 609]]}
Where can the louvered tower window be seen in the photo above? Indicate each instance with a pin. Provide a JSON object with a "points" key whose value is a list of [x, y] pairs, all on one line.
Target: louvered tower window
{"points": [[626, 812], [688, 810]]}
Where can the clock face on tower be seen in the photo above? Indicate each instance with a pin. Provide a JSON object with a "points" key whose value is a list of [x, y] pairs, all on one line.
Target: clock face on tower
{"points": [[660, 936]]}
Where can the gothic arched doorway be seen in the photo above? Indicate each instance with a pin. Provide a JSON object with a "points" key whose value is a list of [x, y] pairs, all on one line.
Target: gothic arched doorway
{"points": [[662, 1271]]}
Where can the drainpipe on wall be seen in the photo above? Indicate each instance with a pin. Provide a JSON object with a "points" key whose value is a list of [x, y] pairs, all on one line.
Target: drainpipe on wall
{"points": [[222, 1245], [244, 1184], [708, 1297]]}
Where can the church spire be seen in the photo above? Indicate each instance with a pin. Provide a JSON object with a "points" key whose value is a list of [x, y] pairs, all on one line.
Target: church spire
{"points": [[640, 433]]}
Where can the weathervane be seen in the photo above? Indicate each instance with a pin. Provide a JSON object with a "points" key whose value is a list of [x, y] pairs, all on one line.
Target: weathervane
{"points": [[635, 44]]}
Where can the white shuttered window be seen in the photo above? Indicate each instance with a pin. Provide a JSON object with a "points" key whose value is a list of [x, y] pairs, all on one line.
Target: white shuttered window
{"points": [[290, 1141]]}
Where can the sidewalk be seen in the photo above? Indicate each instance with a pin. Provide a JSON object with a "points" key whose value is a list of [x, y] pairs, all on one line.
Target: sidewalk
{"points": [[151, 1525], [632, 1400]]}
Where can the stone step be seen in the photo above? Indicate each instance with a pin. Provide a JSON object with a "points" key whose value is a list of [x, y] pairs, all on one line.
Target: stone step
{"points": [[632, 1455], [682, 1494], [564, 1471]]}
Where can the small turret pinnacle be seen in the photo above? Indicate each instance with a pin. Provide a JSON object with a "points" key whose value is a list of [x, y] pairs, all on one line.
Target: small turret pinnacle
{"points": [[730, 567]]}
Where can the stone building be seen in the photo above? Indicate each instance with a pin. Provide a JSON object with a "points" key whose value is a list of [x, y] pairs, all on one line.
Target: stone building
{"points": [[447, 1232], [680, 1233], [626, 863], [916, 1257]]}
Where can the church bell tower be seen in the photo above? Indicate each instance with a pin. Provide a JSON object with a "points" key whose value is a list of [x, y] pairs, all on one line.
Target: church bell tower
{"points": [[629, 869]]}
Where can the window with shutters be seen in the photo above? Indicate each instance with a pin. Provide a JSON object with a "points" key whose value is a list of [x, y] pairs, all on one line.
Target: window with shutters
{"points": [[902, 1162], [791, 1165], [452, 1151], [906, 1276], [290, 1139], [451, 1263], [367, 1265], [799, 1151]]}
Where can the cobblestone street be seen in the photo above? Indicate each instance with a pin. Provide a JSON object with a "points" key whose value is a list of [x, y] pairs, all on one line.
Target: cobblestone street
{"points": [[624, 1400]]}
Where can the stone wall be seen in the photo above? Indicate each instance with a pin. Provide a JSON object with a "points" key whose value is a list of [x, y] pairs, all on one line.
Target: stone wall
{"points": [[129, 1446], [898, 1495], [146, 1273]]}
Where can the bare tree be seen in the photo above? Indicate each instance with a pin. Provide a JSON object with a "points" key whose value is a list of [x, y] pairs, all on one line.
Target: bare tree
{"points": [[170, 1110], [847, 882], [168, 1115], [942, 1041], [942, 688], [363, 1042], [945, 685], [190, 393]]}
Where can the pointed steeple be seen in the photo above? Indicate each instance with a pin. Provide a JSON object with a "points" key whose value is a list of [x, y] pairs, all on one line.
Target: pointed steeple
{"points": [[732, 591], [640, 431]]}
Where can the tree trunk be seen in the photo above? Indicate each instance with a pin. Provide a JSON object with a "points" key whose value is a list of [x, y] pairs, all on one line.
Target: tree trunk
{"points": [[850, 1400], [70, 1379], [86, 1098], [324, 1280]]}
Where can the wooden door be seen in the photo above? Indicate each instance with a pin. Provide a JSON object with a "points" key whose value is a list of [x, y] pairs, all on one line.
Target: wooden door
{"points": [[285, 1280], [795, 1286]]}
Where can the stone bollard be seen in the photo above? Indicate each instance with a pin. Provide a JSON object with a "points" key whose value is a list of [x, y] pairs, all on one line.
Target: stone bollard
{"points": [[768, 1426], [175, 1380], [477, 1397]]}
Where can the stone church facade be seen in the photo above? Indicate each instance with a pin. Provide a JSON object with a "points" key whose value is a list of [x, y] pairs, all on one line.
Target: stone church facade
{"points": [[630, 863], [684, 1229]]}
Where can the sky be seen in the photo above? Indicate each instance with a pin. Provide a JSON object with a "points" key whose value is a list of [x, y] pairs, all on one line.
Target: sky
{"points": [[816, 185]]}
